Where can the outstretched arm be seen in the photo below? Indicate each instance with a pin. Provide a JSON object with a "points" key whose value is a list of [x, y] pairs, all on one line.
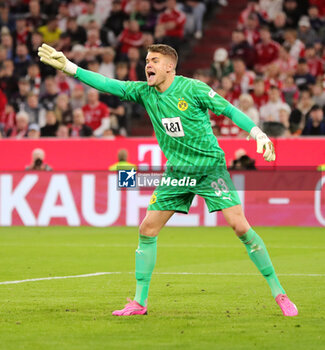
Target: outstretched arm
{"points": [[58, 60], [100, 82]]}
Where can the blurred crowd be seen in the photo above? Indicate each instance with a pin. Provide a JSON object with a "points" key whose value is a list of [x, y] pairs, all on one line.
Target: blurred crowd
{"points": [[273, 69], [105, 36]]}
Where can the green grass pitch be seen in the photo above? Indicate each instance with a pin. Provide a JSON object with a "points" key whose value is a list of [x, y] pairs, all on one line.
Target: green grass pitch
{"points": [[222, 303]]}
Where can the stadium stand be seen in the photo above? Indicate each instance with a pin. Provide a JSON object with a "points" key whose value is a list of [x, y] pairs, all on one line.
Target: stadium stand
{"points": [[266, 57]]}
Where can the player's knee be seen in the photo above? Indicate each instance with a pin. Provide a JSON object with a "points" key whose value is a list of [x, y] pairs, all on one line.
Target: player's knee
{"points": [[148, 228], [239, 226]]}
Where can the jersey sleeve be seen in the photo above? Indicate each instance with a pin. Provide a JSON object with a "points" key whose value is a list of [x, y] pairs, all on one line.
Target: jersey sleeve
{"points": [[239, 118], [208, 98], [125, 90], [100, 82], [135, 91]]}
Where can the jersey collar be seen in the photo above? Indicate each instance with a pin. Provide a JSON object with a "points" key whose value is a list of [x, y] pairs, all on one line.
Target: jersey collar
{"points": [[170, 89]]}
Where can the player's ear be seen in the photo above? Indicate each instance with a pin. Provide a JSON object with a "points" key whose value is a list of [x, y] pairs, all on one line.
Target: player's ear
{"points": [[170, 66]]}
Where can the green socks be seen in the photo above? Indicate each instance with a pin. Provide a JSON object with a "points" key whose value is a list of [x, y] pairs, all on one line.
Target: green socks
{"points": [[260, 257], [146, 255], [145, 260]]}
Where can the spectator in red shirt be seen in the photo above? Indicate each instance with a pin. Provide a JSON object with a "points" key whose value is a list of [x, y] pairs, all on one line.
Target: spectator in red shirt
{"points": [[172, 22], [259, 94], [242, 78], [315, 64], [96, 113], [8, 118], [63, 83], [130, 37], [93, 39], [251, 32], [267, 51], [225, 127], [3, 102], [272, 76], [286, 63]]}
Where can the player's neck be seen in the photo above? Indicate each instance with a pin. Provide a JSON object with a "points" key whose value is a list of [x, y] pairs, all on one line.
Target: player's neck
{"points": [[165, 84]]}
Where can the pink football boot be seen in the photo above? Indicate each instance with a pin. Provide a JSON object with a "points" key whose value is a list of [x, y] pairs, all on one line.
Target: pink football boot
{"points": [[287, 306], [131, 308]]}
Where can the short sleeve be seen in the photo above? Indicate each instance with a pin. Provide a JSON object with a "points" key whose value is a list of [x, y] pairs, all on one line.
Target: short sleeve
{"points": [[208, 98]]}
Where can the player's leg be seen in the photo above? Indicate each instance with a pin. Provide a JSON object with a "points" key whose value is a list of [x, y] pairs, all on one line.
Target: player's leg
{"points": [[145, 260], [146, 254], [220, 194], [259, 255], [164, 202]]}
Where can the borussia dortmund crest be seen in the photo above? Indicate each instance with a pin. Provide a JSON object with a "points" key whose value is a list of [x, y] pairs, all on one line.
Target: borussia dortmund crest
{"points": [[182, 105], [153, 198]]}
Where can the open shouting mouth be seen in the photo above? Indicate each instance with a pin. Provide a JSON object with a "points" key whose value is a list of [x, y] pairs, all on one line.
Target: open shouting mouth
{"points": [[151, 76]]}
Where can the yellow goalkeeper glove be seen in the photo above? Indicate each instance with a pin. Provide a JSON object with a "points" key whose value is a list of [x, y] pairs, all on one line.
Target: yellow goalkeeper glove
{"points": [[263, 143], [56, 59]]}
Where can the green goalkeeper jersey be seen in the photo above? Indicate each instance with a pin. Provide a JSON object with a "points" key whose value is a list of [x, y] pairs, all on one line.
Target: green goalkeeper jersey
{"points": [[179, 116], [181, 121]]}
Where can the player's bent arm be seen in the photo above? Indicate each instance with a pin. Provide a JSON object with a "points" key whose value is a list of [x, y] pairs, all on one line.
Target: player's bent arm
{"points": [[239, 118], [245, 123], [209, 99]]}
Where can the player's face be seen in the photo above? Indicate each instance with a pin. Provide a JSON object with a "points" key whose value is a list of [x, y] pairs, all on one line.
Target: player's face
{"points": [[158, 67]]}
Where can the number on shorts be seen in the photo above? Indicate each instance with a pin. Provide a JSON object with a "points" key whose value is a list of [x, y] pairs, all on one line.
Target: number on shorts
{"points": [[220, 186]]}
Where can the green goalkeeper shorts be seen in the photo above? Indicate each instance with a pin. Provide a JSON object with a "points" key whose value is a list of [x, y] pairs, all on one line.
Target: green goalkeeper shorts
{"points": [[177, 191]]}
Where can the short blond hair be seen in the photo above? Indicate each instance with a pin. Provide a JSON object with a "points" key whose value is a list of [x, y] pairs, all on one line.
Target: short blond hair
{"points": [[165, 50]]}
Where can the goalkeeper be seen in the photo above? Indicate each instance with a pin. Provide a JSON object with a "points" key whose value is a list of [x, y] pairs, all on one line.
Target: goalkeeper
{"points": [[178, 108]]}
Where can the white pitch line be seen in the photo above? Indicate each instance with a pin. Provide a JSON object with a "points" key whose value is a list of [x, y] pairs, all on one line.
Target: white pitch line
{"points": [[61, 277], [162, 273], [279, 200]]}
